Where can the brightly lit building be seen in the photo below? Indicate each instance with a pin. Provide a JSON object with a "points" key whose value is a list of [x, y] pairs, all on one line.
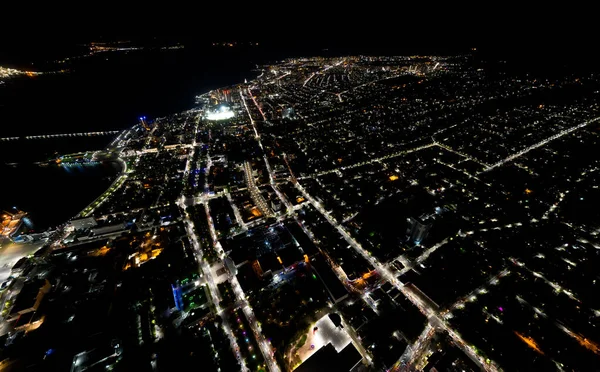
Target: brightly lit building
{"points": [[220, 112], [11, 223], [418, 229]]}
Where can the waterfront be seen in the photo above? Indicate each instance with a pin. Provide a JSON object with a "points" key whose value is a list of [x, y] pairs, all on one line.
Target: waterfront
{"points": [[382, 195], [53, 194], [110, 91], [148, 84]]}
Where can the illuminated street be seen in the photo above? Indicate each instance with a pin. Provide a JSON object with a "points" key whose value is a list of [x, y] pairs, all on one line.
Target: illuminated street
{"points": [[428, 311], [332, 209]]}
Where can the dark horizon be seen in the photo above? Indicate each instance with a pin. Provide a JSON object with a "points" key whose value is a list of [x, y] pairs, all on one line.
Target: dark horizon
{"points": [[25, 50], [230, 206]]}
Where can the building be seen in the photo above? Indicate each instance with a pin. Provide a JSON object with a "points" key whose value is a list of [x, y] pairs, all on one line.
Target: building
{"points": [[20, 266], [327, 359], [11, 223], [336, 290], [288, 113], [275, 205], [110, 229], [418, 229], [220, 112], [144, 123], [83, 223], [230, 266], [29, 298]]}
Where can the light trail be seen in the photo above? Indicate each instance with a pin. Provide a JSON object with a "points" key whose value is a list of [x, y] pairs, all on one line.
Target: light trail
{"points": [[307, 80]]}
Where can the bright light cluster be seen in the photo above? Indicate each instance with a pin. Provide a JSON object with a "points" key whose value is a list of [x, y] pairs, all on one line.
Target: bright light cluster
{"points": [[221, 113], [8, 72]]}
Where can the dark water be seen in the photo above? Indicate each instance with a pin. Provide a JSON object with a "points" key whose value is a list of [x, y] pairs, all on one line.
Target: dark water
{"points": [[111, 90], [53, 194]]}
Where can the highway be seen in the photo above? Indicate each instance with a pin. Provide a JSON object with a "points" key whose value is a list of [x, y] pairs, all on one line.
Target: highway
{"points": [[118, 182], [249, 115], [205, 271], [408, 265]]}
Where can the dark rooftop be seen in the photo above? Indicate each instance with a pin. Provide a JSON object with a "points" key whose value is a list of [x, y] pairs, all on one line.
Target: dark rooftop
{"points": [[328, 360]]}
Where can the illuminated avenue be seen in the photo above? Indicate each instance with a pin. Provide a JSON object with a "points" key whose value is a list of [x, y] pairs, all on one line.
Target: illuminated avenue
{"points": [[353, 214]]}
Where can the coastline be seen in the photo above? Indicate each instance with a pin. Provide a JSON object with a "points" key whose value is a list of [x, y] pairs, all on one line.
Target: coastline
{"points": [[89, 209], [53, 194]]}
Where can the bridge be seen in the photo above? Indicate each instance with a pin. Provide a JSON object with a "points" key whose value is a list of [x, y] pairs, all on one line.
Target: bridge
{"points": [[63, 135]]}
